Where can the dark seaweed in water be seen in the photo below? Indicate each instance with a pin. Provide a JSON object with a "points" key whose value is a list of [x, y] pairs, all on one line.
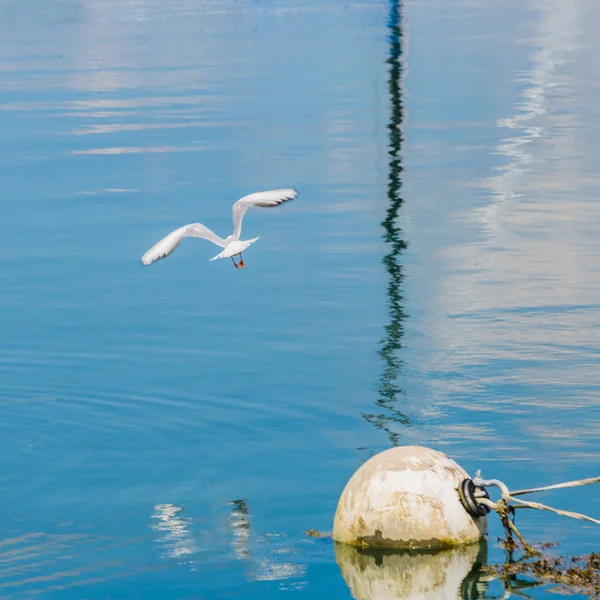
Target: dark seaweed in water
{"points": [[569, 573]]}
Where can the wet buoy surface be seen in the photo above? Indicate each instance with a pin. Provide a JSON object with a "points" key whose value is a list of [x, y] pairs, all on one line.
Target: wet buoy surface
{"points": [[406, 497]]}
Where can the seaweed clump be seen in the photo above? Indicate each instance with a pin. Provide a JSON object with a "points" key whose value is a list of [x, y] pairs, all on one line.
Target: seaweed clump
{"points": [[569, 574]]}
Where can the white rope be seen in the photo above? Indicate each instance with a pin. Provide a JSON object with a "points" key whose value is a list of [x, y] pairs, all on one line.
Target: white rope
{"points": [[564, 513], [558, 486], [487, 502], [509, 496]]}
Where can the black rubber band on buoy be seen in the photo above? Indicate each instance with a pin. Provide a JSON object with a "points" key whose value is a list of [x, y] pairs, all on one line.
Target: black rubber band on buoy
{"points": [[469, 494]]}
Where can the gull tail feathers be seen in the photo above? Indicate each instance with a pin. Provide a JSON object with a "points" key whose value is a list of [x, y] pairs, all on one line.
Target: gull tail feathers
{"points": [[234, 248]]}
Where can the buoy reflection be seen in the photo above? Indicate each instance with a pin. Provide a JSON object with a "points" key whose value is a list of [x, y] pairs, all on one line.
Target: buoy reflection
{"points": [[384, 575]]}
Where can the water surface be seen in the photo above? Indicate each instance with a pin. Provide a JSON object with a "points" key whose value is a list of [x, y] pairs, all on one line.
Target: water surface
{"points": [[170, 432]]}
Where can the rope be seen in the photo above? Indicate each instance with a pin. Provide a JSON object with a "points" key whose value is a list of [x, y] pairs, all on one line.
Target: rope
{"points": [[508, 503], [558, 486], [564, 513]]}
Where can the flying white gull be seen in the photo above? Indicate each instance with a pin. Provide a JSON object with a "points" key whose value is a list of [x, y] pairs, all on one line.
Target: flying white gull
{"points": [[232, 244]]}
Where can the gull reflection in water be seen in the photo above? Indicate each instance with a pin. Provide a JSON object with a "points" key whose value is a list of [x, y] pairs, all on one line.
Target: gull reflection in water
{"points": [[262, 554], [176, 541], [239, 523]]}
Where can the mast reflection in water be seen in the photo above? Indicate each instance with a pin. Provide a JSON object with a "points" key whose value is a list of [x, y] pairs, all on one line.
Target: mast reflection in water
{"points": [[390, 392]]}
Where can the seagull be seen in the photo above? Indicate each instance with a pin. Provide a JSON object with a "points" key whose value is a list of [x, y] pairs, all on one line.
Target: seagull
{"points": [[232, 244]]}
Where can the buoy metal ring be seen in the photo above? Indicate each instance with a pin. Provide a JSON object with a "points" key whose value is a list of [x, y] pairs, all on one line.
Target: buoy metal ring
{"points": [[469, 494]]}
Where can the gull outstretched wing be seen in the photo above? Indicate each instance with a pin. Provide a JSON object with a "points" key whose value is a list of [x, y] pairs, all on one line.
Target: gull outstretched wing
{"points": [[264, 199], [171, 241]]}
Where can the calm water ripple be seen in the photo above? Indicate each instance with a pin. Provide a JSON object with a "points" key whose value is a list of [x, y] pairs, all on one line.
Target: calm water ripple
{"points": [[436, 282]]}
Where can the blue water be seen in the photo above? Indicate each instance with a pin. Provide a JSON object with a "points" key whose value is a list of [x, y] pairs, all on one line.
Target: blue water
{"points": [[170, 432]]}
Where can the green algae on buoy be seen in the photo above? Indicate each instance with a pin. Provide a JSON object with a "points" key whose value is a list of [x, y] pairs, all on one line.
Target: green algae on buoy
{"points": [[406, 497]]}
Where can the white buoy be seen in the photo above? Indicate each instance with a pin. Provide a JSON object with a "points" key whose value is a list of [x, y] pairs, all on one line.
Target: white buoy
{"points": [[406, 497], [397, 575]]}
